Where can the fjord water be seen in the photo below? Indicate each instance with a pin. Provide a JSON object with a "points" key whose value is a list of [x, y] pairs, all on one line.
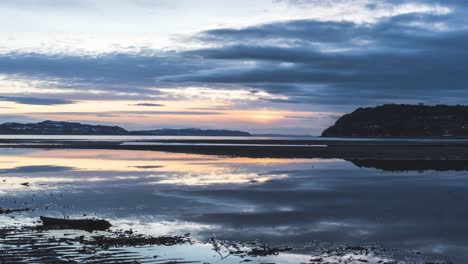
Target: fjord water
{"points": [[217, 138], [415, 214]]}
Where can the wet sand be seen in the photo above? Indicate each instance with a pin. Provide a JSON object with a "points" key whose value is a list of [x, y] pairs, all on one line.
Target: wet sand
{"points": [[328, 149], [34, 244]]}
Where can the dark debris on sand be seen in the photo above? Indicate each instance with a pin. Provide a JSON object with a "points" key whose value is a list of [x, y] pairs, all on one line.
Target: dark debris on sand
{"points": [[22, 244], [10, 211], [130, 239], [78, 224], [34, 244], [226, 249]]}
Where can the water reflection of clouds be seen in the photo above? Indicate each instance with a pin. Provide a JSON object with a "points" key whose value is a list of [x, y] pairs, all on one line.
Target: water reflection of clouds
{"points": [[151, 167], [35, 169], [273, 200]]}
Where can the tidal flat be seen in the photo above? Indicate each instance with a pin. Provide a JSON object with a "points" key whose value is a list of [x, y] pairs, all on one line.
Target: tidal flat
{"points": [[204, 205]]}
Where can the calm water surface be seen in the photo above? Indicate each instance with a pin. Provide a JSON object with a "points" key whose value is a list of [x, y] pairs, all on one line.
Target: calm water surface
{"points": [[416, 216], [157, 138]]}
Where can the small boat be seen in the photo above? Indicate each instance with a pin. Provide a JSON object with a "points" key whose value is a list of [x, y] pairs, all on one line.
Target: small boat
{"points": [[78, 224]]}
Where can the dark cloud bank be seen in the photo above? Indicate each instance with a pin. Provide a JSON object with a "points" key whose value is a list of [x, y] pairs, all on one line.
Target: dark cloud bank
{"points": [[408, 58]]}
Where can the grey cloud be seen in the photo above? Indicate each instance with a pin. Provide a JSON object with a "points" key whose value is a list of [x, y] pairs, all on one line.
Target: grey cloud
{"points": [[451, 3], [372, 3], [113, 71], [267, 53], [147, 104], [121, 113], [36, 101], [280, 101], [287, 32], [399, 59], [410, 32], [320, 116]]}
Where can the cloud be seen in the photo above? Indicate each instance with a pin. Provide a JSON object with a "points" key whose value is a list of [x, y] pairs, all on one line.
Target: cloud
{"points": [[452, 3], [407, 58], [123, 72], [122, 113], [317, 116], [412, 57], [36, 101], [147, 104]]}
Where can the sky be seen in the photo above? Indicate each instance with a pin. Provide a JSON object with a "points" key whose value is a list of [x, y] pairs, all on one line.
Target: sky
{"points": [[263, 66]]}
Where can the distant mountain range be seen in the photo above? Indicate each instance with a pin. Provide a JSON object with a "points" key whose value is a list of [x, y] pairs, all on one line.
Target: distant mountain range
{"points": [[402, 121], [192, 132], [72, 128]]}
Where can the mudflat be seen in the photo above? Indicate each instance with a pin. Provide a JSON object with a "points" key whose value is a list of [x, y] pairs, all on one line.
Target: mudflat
{"points": [[401, 149]]}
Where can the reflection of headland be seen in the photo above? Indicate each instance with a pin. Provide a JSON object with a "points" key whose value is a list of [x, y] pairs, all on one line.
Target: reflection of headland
{"points": [[413, 165]]}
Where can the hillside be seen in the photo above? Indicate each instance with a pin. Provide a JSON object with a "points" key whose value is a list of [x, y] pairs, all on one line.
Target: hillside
{"points": [[59, 128], [402, 121], [191, 132], [72, 128]]}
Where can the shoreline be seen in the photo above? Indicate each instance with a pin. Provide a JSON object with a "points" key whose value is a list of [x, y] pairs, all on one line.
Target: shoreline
{"points": [[331, 149]]}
